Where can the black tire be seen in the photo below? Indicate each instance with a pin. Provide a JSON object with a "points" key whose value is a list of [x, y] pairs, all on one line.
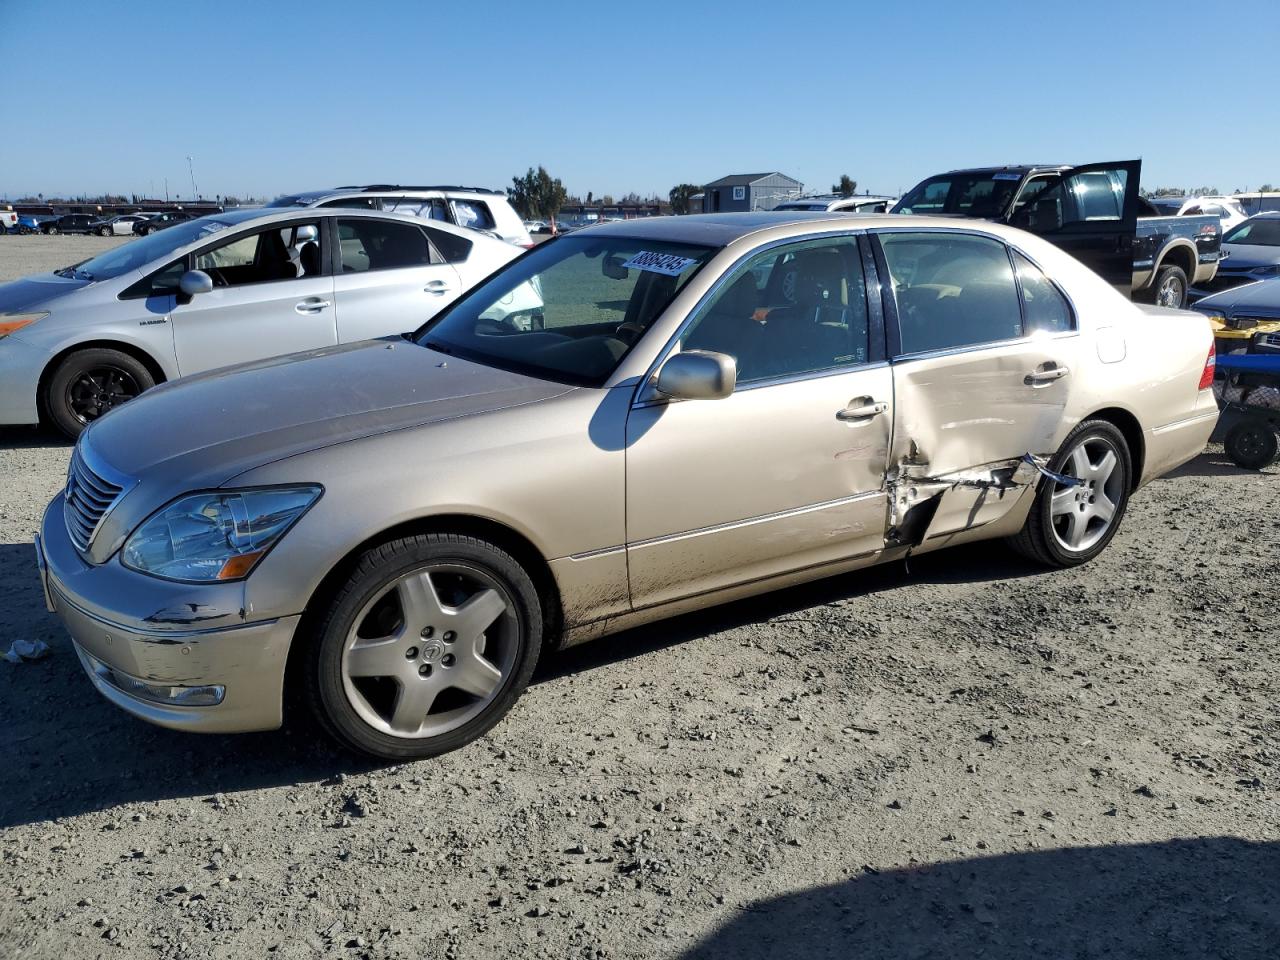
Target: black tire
{"points": [[1038, 539], [147, 231], [49, 231], [123, 377], [104, 231], [1169, 289], [1251, 444], [379, 567]]}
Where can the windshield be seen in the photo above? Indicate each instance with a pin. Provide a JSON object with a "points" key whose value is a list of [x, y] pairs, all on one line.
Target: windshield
{"points": [[968, 194], [1263, 231], [568, 310], [131, 256]]}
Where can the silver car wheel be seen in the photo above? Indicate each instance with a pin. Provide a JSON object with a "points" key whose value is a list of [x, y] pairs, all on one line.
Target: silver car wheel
{"points": [[1170, 293], [430, 651], [1082, 513]]}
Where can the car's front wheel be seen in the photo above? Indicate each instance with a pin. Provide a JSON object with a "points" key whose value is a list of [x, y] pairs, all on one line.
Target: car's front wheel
{"points": [[1074, 518], [104, 231], [88, 383], [425, 647], [49, 230]]}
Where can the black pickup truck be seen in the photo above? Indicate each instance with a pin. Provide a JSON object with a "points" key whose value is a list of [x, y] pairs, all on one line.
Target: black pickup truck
{"points": [[1094, 212]]}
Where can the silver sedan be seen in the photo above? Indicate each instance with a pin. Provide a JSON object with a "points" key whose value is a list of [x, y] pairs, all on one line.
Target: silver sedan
{"points": [[698, 409], [222, 289]]}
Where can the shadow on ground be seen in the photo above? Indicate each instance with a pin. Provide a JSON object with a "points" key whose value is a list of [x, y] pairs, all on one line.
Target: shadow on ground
{"points": [[1178, 900], [66, 751], [14, 437]]}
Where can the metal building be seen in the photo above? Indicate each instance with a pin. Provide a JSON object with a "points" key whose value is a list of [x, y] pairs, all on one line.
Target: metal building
{"points": [[749, 191]]}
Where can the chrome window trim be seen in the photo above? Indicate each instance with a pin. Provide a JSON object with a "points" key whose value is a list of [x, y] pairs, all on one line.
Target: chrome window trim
{"points": [[643, 396]]}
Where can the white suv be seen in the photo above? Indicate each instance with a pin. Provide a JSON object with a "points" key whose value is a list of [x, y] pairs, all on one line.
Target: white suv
{"points": [[473, 207], [832, 202]]}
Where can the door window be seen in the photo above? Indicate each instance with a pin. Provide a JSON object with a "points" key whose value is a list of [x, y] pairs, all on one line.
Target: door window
{"points": [[1090, 196], [277, 253], [381, 245], [354, 203], [791, 310], [431, 209], [1044, 308], [952, 290], [453, 249]]}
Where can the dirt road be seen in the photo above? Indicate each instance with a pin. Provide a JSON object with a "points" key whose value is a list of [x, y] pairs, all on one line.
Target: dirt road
{"points": [[970, 756]]}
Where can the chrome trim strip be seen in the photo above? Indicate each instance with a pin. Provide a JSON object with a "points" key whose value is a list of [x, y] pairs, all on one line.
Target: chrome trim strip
{"points": [[593, 554], [1185, 421], [749, 521]]}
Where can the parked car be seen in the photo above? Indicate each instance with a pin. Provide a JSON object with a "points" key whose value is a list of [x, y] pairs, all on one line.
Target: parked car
{"points": [[1227, 209], [536, 226], [1246, 319], [67, 223], [224, 289], [160, 221], [118, 226], [1093, 212], [1251, 252], [833, 202], [473, 207], [28, 223], [705, 411]]}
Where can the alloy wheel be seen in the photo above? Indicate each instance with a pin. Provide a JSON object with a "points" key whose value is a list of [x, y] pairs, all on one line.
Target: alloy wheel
{"points": [[1083, 512], [431, 650], [99, 389], [1170, 293]]}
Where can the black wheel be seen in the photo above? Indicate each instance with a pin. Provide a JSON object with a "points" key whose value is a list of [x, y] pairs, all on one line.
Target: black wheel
{"points": [[51, 230], [425, 647], [1169, 288], [1251, 444], [147, 230], [104, 231], [1072, 522], [89, 383]]}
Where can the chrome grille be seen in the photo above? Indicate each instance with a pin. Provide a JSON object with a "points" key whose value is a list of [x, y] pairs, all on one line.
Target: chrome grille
{"points": [[86, 500]]}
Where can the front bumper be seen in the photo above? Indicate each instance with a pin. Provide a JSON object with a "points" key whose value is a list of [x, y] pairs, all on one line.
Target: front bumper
{"points": [[153, 665], [20, 366]]}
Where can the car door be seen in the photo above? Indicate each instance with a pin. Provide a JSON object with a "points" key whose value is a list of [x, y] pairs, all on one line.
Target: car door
{"points": [[388, 277], [984, 350], [787, 472], [271, 295], [1091, 212]]}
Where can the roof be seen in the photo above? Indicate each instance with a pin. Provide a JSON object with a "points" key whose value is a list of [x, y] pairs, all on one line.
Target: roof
{"points": [[746, 179], [721, 229]]}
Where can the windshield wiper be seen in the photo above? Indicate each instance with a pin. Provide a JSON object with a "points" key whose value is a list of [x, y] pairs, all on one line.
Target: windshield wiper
{"points": [[438, 347]]}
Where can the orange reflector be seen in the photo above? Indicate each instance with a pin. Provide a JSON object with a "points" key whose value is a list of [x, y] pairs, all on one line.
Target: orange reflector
{"points": [[237, 567], [13, 326]]}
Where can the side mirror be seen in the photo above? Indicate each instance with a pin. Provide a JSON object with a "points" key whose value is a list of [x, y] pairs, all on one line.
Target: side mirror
{"points": [[698, 375], [195, 281]]}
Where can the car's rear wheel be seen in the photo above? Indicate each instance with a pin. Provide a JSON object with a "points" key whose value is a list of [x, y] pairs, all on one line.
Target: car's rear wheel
{"points": [[50, 230], [1074, 518], [425, 647], [1251, 444], [89, 383], [1170, 287]]}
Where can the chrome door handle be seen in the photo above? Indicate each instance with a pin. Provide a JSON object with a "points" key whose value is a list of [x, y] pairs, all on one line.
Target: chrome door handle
{"points": [[312, 305], [437, 287], [861, 413], [1045, 375]]}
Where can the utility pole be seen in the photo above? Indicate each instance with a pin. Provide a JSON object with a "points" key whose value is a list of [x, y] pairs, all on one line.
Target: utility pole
{"points": [[166, 189], [195, 194]]}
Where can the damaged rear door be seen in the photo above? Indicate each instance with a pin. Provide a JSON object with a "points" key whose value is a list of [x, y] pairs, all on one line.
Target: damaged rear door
{"points": [[983, 346]]}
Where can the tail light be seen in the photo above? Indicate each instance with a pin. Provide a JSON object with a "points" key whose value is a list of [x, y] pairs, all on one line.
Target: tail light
{"points": [[1210, 364]]}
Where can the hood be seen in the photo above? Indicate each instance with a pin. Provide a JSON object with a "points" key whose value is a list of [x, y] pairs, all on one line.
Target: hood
{"points": [[201, 431], [35, 292], [1263, 296], [1246, 256]]}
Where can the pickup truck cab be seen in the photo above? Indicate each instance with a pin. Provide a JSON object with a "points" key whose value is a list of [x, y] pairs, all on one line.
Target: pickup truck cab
{"points": [[1094, 212]]}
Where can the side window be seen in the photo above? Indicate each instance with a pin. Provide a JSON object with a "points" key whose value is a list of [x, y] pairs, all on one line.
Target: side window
{"points": [[277, 253], [952, 290], [452, 248], [354, 203], [1098, 196], [1044, 309], [429, 209], [381, 245], [472, 213], [790, 310], [162, 283], [1095, 195]]}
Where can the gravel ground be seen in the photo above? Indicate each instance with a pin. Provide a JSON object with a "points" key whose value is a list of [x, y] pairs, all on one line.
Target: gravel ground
{"points": [[961, 757]]}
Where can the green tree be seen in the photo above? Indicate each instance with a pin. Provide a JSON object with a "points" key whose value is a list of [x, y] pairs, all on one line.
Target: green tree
{"points": [[537, 194], [1268, 188], [679, 196], [846, 187]]}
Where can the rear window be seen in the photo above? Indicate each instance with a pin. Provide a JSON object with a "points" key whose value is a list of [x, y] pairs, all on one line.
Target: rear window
{"points": [[473, 213]]}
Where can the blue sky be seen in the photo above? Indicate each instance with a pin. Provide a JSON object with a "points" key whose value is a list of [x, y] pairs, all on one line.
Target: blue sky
{"points": [[277, 95]]}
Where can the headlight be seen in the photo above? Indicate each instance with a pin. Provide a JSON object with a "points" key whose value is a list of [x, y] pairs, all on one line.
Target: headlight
{"points": [[219, 535], [13, 322]]}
